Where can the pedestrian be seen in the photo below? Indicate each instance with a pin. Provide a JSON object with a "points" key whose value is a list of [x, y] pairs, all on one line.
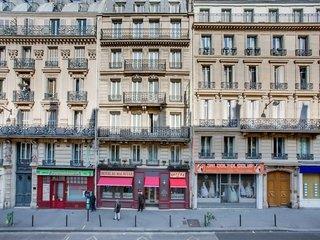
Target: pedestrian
{"points": [[93, 202], [140, 201], [117, 209]]}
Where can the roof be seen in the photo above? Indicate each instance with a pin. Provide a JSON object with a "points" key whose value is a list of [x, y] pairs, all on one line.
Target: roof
{"points": [[258, 1]]}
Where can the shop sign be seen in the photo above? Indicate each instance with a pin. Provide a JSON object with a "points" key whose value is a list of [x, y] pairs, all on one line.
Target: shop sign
{"points": [[116, 173], [177, 175], [240, 168], [65, 172]]}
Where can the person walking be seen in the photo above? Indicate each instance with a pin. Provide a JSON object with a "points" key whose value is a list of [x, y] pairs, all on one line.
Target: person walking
{"points": [[140, 201], [93, 202], [117, 209]]}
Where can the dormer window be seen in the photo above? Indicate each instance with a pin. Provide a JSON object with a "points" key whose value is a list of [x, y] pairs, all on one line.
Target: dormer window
{"points": [[119, 7], [174, 7], [139, 7]]}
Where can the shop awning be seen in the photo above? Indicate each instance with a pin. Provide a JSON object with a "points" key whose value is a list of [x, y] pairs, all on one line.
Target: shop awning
{"points": [[115, 181], [309, 169], [178, 183], [151, 181]]}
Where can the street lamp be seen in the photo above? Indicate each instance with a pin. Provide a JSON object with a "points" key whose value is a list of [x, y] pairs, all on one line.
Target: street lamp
{"points": [[10, 113], [274, 103]]}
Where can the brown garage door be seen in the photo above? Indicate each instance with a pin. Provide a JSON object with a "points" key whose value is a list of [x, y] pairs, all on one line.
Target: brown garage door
{"points": [[278, 188]]}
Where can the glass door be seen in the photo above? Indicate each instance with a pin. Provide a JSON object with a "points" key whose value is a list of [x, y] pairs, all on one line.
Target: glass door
{"points": [[229, 188], [153, 60], [57, 194], [137, 60], [151, 195]]}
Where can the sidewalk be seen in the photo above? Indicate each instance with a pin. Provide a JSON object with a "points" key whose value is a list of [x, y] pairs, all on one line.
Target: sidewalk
{"points": [[158, 220]]}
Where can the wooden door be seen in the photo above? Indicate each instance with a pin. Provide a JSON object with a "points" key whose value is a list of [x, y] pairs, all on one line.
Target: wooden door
{"points": [[278, 188]]}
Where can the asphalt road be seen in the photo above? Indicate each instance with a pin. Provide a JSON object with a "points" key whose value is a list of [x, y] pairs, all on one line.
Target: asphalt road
{"points": [[163, 236]]}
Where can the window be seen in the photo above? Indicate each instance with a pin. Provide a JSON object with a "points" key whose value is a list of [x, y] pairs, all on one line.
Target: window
{"points": [[204, 15], [115, 90], [303, 110], [26, 52], [51, 87], [206, 74], [231, 110], [137, 59], [136, 157], [175, 90], [49, 149], [304, 147], [229, 146], [278, 76], [138, 7], [153, 59], [318, 15], [303, 46], [153, 154], [278, 110], [115, 153], [114, 122], [153, 86], [116, 29], [137, 28], [253, 110], [175, 57], [79, 52], [175, 154], [54, 26], [298, 15], [24, 153], [226, 15], [52, 117], [206, 112], [119, 7], [175, 120], [278, 148], [82, 26], [154, 7], [177, 193], [154, 122], [206, 146], [154, 28], [78, 84], [174, 7], [175, 28], [228, 42], [23, 117], [2, 56], [228, 74], [273, 15], [1, 85], [251, 42], [77, 118], [248, 15], [304, 77], [76, 187], [277, 42], [206, 45], [52, 57], [252, 147], [253, 77], [311, 183], [117, 192], [116, 59], [136, 122]]}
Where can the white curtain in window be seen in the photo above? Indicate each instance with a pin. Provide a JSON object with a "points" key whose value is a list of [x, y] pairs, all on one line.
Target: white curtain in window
{"points": [[303, 110]]}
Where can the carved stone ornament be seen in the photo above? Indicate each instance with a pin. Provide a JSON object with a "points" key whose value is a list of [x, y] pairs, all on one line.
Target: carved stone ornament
{"points": [[38, 54], [65, 53], [35, 153], [7, 152], [92, 54], [13, 53]]}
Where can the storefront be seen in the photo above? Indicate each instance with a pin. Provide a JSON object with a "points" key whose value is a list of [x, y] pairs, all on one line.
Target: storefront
{"points": [[161, 188], [228, 185], [63, 188], [309, 190]]}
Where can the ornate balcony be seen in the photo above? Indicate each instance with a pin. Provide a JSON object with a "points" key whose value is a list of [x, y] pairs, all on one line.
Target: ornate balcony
{"points": [[77, 98], [224, 123], [51, 64], [3, 63], [229, 51], [229, 155], [24, 64], [280, 125], [206, 51], [23, 97], [278, 52], [115, 65], [279, 86], [144, 34], [175, 65], [175, 98], [76, 163], [77, 64], [279, 156], [206, 122], [252, 85], [144, 99], [229, 85], [144, 66], [51, 97], [49, 162], [252, 51], [307, 156], [145, 134], [206, 85], [153, 162], [253, 155], [206, 155], [303, 52], [115, 98], [304, 86]]}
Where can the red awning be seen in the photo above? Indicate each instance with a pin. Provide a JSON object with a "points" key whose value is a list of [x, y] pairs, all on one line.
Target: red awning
{"points": [[115, 181], [178, 183], [151, 181]]}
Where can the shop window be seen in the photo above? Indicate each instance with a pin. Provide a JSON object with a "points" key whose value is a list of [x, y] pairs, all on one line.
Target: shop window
{"points": [[76, 187], [117, 192], [46, 188], [177, 193], [311, 183]]}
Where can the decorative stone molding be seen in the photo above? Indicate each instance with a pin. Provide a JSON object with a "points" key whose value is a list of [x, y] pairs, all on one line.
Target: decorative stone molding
{"points": [[13, 53], [7, 152], [65, 53], [38, 54], [35, 154], [92, 54]]}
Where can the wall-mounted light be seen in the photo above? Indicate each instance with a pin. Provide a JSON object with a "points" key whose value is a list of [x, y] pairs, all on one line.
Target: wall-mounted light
{"points": [[164, 182]]}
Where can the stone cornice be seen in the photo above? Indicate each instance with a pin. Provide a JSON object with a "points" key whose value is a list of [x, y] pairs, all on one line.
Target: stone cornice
{"points": [[154, 43], [46, 40]]}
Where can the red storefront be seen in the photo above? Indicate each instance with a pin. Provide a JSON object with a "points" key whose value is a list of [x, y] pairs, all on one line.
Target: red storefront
{"points": [[161, 187], [63, 188]]}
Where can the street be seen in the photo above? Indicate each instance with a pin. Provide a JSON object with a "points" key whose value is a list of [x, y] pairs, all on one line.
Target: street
{"points": [[162, 236]]}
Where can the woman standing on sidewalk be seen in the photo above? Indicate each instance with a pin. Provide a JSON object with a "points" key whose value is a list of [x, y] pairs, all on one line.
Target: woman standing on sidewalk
{"points": [[117, 209]]}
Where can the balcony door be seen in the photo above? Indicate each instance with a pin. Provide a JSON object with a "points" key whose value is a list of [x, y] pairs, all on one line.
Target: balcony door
{"points": [[206, 43], [137, 29], [175, 120], [115, 122], [175, 29], [78, 84], [228, 76], [253, 111], [26, 52], [79, 52], [82, 26], [115, 153], [154, 59], [278, 111], [230, 110], [116, 29], [153, 154], [136, 122], [135, 89], [303, 43], [77, 119], [54, 26], [154, 29], [305, 147], [277, 42], [303, 110], [278, 75], [23, 117], [154, 122], [251, 42], [137, 60], [228, 42]]}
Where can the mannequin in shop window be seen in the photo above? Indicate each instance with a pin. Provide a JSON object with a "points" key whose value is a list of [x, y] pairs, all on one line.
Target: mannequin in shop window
{"points": [[249, 190], [211, 189], [204, 190], [242, 190], [232, 195]]}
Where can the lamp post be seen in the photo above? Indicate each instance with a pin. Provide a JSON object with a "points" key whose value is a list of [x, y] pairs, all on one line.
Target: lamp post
{"points": [[10, 114], [274, 102]]}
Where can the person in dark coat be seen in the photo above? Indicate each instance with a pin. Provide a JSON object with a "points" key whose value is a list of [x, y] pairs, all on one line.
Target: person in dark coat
{"points": [[117, 209], [140, 201], [93, 202]]}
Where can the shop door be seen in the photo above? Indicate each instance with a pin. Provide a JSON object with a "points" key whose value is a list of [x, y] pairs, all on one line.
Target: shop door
{"points": [[23, 189], [151, 195], [57, 194], [278, 189]]}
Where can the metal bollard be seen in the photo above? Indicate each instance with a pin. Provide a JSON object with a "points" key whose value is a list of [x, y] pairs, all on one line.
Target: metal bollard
{"points": [[275, 220], [135, 221], [32, 221], [66, 220], [170, 223], [100, 223], [205, 220], [240, 222], [88, 215]]}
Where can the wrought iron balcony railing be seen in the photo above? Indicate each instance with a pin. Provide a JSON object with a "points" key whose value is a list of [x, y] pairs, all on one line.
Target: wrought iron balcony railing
{"points": [[144, 98], [278, 52], [224, 123], [175, 98], [115, 65], [47, 30], [153, 162], [303, 52], [229, 85], [176, 65], [51, 96], [77, 96], [23, 96], [206, 122], [49, 162], [24, 161], [254, 18], [144, 34], [206, 51], [305, 156], [304, 86], [252, 51], [229, 51], [280, 124], [76, 163], [24, 63], [279, 156], [78, 63], [206, 85], [3, 63], [135, 162], [144, 65], [51, 63], [145, 134], [114, 161], [229, 155], [3, 96], [252, 85], [115, 98], [206, 155], [278, 86], [253, 155]]}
